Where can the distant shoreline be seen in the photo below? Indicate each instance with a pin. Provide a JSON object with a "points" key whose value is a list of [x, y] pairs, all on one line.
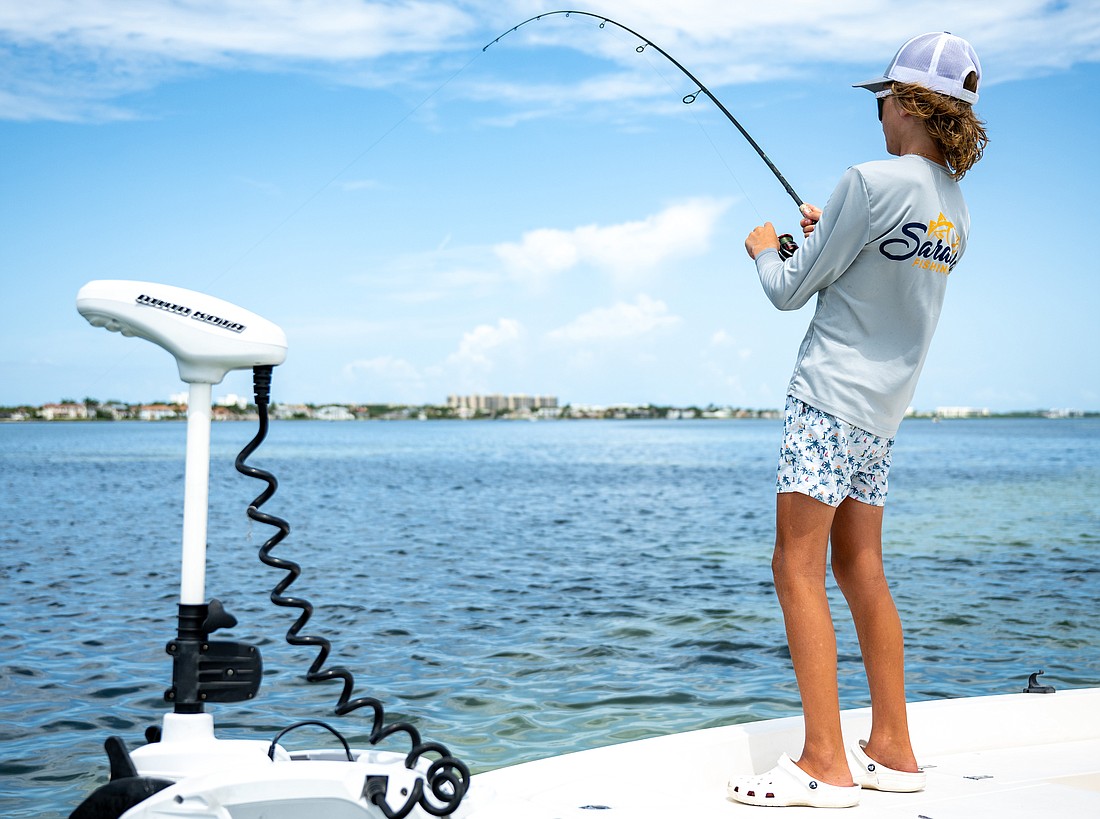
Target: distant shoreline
{"points": [[89, 413]]}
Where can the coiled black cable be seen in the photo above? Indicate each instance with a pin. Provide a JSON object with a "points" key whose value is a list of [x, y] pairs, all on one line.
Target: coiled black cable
{"points": [[447, 777]]}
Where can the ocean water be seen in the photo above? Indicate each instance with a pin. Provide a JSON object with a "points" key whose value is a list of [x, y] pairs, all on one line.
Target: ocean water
{"points": [[515, 590]]}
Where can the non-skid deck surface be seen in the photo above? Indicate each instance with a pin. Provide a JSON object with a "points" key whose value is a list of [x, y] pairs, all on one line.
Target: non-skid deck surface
{"points": [[1006, 757]]}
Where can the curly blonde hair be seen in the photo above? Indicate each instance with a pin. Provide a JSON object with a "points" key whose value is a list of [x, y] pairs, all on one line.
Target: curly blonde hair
{"points": [[951, 123]]}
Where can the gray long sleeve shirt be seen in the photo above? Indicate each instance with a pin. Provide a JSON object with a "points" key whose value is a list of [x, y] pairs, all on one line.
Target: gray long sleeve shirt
{"points": [[878, 261]]}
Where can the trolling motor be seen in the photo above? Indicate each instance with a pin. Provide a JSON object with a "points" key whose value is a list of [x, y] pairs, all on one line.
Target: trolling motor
{"points": [[184, 770], [208, 338]]}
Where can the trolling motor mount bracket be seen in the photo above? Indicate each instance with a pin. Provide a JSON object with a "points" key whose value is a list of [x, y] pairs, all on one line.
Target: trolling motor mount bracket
{"points": [[205, 670]]}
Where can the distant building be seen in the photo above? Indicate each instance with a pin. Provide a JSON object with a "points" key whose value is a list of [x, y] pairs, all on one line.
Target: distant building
{"points": [[64, 412], [961, 412], [229, 400], [288, 411], [114, 410], [157, 412], [588, 410], [466, 406], [1064, 413], [333, 413], [232, 400]]}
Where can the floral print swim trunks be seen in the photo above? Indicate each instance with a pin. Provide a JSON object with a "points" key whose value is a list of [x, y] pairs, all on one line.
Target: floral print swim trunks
{"points": [[831, 460]]}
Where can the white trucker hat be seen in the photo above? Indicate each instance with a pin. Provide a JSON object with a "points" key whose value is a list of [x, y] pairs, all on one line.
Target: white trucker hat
{"points": [[939, 61]]}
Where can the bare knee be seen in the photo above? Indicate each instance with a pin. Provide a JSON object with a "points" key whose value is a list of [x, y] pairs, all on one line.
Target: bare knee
{"points": [[859, 575], [794, 574]]}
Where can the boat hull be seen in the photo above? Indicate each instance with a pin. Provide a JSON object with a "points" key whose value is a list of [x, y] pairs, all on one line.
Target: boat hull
{"points": [[1009, 757]]}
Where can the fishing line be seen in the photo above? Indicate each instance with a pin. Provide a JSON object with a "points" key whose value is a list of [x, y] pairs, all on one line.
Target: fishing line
{"points": [[313, 196], [729, 170], [687, 99], [706, 133], [309, 199]]}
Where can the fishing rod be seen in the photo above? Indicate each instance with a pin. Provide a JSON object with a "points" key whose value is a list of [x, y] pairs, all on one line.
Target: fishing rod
{"points": [[688, 98]]}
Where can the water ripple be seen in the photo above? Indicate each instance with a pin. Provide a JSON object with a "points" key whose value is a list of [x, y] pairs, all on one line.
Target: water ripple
{"points": [[514, 590]]}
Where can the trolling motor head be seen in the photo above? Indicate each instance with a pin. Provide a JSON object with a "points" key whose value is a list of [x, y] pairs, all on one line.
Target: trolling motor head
{"points": [[208, 336]]}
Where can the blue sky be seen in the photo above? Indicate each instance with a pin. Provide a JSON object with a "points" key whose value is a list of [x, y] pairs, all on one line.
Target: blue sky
{"points": [[423, 217]]}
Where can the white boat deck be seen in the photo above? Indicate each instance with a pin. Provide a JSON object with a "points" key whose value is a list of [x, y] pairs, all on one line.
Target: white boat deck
{"points": [[1017, 755]]}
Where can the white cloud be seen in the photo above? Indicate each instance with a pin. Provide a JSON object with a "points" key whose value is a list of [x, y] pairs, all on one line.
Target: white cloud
{"points": [[540, 252], [725, 42], [614, 92], [717, 32], [623, 250], [476, 346], [621, 320], [723, 341], [71, 59], [202, 32], [68, 59]]}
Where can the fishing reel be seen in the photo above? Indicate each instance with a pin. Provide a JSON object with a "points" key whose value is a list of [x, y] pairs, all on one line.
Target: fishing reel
{"points": [[787, 246]]}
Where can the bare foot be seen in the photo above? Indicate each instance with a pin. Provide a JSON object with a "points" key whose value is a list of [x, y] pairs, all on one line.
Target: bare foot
{"points": [[829, 773]]}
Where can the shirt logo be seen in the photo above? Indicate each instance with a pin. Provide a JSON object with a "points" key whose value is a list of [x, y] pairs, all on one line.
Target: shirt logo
{"points": [[932, 246]]}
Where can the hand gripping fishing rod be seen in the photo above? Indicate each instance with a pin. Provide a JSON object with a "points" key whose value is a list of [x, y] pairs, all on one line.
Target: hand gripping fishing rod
{"points": [[787, 245]]}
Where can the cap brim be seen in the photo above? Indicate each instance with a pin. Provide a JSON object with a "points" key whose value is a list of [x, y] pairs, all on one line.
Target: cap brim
{"points": [[875, 85]]}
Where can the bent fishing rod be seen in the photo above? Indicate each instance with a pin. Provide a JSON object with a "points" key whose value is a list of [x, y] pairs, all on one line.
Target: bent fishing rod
{"points": [[688, 99]]}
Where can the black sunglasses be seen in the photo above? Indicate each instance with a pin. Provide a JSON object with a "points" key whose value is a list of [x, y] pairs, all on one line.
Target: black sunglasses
{"points": [[881, 104]]}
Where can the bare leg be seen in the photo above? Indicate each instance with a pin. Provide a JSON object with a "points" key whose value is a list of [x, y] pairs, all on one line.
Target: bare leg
{"points": [[858, 570], [798, 565]]}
